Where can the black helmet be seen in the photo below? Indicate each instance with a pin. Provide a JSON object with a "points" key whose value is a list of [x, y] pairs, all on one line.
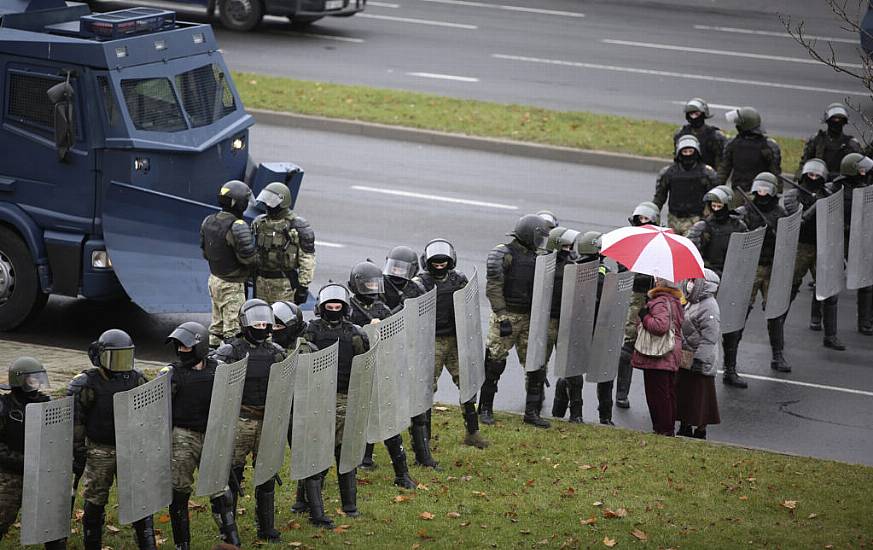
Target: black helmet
{"points": [[332, 292], [113, 351], [366, 279], [26, 374], [234, 197], [191, 335], [532, 231], [256, 320], [436, 251], [401, 262], [289, 315]]}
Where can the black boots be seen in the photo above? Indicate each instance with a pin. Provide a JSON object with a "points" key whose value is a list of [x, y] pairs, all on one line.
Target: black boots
{"points": [[775, 330], [535, 385], [493, 371], [471, 423], [685, 430], [731, 343], [574, 393], [625, 375], [604, 402], [265, 510], [865, 310], [300, 505], [348, 487], [420, 432], [829, 316], [398, 461], [312, 486], [145, 533], [179, 520], [224, 513], [815, 314], [367, 463], [561, 400], [92, 526]]}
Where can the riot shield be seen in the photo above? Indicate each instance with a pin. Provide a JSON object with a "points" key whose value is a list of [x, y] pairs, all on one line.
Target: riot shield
{"points": [[782, 271], [354, 438], [277, 414], [540, 310], [48, 471], [738, 277], [609, 328], [312, 437], [143, 449], [830, 276], [578, 302], [217, 454], [420, 321], [389, 412], [471, 346], [859, 271]]}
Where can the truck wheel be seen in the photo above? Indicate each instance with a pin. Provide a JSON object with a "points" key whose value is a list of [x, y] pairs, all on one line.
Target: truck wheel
{"points": [[20, 295], [241, 15], [303, 22]]}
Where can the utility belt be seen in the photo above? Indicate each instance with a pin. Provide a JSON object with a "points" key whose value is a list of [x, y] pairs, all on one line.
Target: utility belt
{"points": [[272, 274]]}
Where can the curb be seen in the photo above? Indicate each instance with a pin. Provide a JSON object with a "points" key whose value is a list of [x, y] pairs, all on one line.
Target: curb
{"points": [[603, 159]]}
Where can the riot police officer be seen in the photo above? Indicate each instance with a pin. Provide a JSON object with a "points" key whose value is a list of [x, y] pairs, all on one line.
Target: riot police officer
{"points": [[288, 325], [440, 261], [749, 153], [94, 434], [192, 377], [712, 236], [256, 319], [550, 217], [401, 266], [712, 140], [367, 284], [764, 210], [509, 288], [682, 185], [27, 377], [830, 145], [228, 246], [286, 248]]}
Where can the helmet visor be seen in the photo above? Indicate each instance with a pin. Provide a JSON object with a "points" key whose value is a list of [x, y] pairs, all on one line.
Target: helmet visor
{"points": [[836, 111], [117, 360], [257, 316], [733, 116], [865, 164], [33, 381], [568, 237], [272, 200], [371, 285], [695, 105], [438, 248], [333, 293], [763, 186], [540, 240], [399, 268]]}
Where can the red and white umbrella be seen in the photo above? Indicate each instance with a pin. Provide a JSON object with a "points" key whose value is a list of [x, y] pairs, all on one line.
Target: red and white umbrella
{"points": [[653, 251]]}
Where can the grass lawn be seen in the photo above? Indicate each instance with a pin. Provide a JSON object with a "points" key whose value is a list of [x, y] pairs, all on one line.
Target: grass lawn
{"points": [[478, 118], [572, 487]]}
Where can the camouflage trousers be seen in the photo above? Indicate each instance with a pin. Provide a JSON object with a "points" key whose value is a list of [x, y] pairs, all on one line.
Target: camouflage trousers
{"points": [[681, 226], [446, 355], [551, 340], [227, 299], [342, 401], [248, 437], [99, 473], [11, 486], [274, 290], [498, 346], [637, 301], [187, 447], [762, 285], [804, 263]]}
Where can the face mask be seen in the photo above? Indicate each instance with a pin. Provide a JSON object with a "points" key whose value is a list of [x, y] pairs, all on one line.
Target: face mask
{"points": [[282, 337], [332, 317], [687, 162], [765, 202], [32, 396], [399, 282], [563, 254], [187, 359], [257, 335], [695, 122], [721, 214], [275, 212], [437, 272], [365, 299], [835, 127]]}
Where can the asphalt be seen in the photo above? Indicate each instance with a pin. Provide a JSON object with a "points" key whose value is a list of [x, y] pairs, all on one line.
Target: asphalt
{"points": [[488, 192]]}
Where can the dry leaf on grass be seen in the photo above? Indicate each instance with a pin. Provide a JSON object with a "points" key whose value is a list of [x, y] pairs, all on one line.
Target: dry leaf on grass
{"points": [[609, 513], [639, 535], [112, 529], [426, 515], [402, 498], [590, 521], [164, 518], [422, 534], [608, 542], [789, 504], [453, 515]]}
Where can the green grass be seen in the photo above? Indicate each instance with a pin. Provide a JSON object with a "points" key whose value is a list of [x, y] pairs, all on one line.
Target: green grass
{"points": [[533, 488], [477, 118]]}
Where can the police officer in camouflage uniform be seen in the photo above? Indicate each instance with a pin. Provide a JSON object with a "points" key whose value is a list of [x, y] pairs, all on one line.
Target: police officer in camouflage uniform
{"points": [[439, 260], [94, 434], [712, 140], [367, 284], [764, 210], [27, 377], [810, 188], [748, 154], [831, 145], [682, 185], [286, 248], [509, 287], [228, 246], [712, 236], [256, 319], [192, 375]]}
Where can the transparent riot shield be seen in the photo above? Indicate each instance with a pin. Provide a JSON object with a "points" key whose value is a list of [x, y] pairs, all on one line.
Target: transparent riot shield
{"points": [[354, 438], [609, 328], [471, 346], [48, 471], [277, 415], [217, 454], [782, 270], [738, 277], [541, 307], [312, 437], [420, 321], [859, 270], [830, 275], [143, 449], [578, 303], [389, 412]]}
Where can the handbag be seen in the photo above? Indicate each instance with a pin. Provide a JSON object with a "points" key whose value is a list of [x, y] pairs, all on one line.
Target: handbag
{"points": [[651, 345], [687, 359]]}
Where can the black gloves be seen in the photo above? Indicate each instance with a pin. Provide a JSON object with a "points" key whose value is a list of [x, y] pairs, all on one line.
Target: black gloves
{"points": [[505, 328], [301, 294]]}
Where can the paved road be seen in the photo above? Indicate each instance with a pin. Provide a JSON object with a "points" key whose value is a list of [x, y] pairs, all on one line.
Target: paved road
{"points": [[355, 219]]}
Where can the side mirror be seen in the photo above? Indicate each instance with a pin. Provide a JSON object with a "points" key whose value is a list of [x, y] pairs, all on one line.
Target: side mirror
{"points": [[61, 96]]}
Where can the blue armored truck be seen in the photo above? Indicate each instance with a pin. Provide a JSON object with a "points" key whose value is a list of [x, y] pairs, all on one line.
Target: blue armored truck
{"points": [[117, 130]]}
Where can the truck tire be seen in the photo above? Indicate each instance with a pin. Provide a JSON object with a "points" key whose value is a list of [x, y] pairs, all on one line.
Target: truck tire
{"points": [[241, 15], [20, 295], [300, 23]]}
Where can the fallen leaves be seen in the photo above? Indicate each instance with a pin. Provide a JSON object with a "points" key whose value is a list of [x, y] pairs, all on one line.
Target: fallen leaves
{"points": [[609, 513], [401, 498], [479, 494], [164, 518], [608, 542], [590, 521], [789, 504], [597, 503], [453, 515], [422, 534], [426, 516], [812, 516], [341, 528], [441, 409], [112, 529], [293, 525], [640, 535]]}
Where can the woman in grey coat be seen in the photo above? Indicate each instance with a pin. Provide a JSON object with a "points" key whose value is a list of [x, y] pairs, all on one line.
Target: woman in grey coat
{"points": [[697, 404]]}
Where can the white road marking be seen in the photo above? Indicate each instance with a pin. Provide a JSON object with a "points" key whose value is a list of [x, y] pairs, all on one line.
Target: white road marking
{"points": [[689, 49], [410, 194], [445, 77], [712, 105], [329, 245], [332, 37], [507, 8], [417, 21], [670, 74], [774, 33], [383, 5], [806, 384]]}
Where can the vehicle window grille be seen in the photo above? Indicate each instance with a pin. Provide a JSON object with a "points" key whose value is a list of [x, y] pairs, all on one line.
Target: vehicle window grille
{"points": [[206, 95], [28, 101], [112, 114], [152, 105]]}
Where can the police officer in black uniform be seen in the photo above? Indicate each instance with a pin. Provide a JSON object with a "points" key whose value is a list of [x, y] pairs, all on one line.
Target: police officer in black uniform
{"points": [[830, 145], [682, 185], [712, 139], [367, 284], [288, 326], [749, 153]]}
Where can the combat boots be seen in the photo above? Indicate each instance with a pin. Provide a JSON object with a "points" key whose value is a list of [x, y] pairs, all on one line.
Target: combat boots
{"points": [[493, 370], [92, 526], [574, 394], [300, 505], [685, 430], [60, 544], [561, 399], [829, 310], [225, 517], [815, 314], [535, 386], [420, 433], [179, 520], [865, 310], [731, 342], [367, 462], [775, 330], [316, 504], [604, 402], [398, 461], [265, 510], [625, 375], [473, 437], [145, 533]]}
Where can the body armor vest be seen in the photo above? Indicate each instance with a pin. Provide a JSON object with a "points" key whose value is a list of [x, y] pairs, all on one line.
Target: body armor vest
{"points": [[261, 358], [687, 188], [277, 250], [719, 239], [754, 220], [394, 296], [100, 425], [445, 303], [220, 255], [751, 157], [830, 150], [518, 281], [193, 393], [323, 335], [362, 313]]}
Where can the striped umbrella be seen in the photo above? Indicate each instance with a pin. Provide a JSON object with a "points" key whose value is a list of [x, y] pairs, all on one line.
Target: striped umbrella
{"points": [[653, 251]]}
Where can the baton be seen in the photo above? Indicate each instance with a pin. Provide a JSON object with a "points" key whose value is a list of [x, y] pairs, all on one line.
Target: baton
{"points": [[754, 207], [795, 184]]}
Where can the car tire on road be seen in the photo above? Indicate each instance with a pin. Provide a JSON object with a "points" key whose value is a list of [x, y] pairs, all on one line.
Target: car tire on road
{"points": [[241, 15], [303, 22], [20, 295]]}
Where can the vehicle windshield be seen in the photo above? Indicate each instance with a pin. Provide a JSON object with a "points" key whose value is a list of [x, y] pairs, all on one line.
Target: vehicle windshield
{"points": [[192, 99]]}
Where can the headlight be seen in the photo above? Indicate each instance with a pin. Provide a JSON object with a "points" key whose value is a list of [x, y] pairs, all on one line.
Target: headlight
{"points": [[238, 144], [100, 259]]}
